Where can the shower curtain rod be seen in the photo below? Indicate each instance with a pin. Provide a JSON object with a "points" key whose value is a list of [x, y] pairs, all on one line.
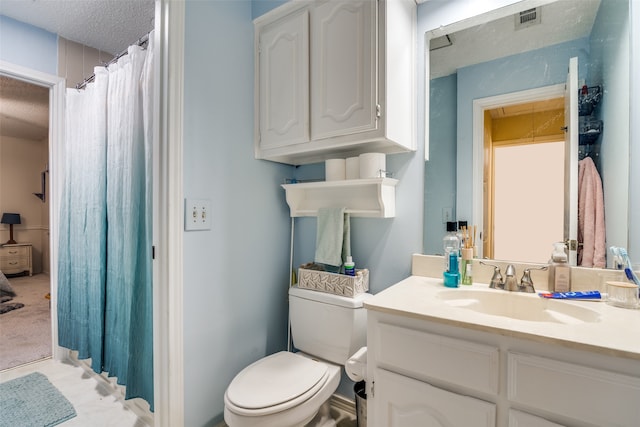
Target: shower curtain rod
{"points": [[140, 42]]}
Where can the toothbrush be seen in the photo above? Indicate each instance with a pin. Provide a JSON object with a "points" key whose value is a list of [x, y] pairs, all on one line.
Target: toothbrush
{"points": [[627, 267], [616, 260]]}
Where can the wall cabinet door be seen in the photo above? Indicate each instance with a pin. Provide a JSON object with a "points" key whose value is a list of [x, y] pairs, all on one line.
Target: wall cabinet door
{"points": [[406, 402], [343, 68], [284, 81]]}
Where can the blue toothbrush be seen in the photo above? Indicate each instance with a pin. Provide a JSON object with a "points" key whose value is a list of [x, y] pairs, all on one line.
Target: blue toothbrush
{"points": [[627, 267]]}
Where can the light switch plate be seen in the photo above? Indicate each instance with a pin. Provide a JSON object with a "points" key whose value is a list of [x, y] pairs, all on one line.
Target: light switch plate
{"points": [[197, 214]]}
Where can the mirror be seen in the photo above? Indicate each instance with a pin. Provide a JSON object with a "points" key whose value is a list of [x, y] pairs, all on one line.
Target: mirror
{"points": [[485, 56]]}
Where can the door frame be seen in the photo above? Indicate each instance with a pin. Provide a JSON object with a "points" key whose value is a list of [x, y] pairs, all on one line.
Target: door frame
{"points": [[56, 86], [479, 106]]}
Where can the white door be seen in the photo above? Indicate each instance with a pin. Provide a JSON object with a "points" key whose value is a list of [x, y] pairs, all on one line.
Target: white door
{"points": [[405, 402], [343, 68], [571, 162], [284, 81]]}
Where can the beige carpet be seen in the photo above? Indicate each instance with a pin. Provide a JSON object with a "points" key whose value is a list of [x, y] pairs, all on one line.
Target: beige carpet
{"points": [[25, 333]]}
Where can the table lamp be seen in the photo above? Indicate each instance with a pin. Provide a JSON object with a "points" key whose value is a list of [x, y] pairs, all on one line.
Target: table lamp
{"points": [[10, 218]]}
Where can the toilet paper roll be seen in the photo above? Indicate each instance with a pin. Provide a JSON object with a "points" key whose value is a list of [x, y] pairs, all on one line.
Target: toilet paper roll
{"points": [[372, 165], [353, 167], [334, 169]]}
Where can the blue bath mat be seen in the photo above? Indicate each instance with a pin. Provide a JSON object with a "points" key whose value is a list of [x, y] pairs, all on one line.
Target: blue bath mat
{"points": [[32, 401]]}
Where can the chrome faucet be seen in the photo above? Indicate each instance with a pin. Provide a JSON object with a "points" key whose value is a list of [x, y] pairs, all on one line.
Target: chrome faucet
{"points": [[526, 283], [510, 283], [496, 280]]}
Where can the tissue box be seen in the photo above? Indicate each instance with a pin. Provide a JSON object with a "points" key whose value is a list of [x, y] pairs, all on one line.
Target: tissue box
{"points": [[338, 284]]}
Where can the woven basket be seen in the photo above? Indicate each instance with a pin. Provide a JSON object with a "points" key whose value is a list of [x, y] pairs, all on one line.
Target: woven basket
{"points": [[338, 284]]}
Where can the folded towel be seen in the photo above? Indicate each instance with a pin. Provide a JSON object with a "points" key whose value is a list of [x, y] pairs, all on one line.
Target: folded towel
{"points": [[333, 239]]}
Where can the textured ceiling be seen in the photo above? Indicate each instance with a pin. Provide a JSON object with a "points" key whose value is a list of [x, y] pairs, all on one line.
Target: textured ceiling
{"points": [[24, 109], [561, 21], [107, 25]]}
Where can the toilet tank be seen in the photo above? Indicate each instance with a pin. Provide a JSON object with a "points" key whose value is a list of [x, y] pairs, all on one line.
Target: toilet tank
{"points": [[330, 327]]}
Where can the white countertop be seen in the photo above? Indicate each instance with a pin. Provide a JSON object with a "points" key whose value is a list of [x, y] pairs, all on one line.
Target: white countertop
{"points": [[616, 332]]}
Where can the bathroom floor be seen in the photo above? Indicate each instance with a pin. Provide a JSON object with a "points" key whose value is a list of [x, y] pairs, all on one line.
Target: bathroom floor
{"points": [[341, 414], [95, 404]]}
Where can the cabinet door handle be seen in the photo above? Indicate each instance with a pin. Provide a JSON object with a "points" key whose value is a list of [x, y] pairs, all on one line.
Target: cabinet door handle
{"points": [[13, 252], [13, 262]]}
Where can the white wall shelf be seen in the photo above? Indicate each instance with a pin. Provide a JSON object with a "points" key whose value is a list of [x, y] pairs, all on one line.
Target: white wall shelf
{"points": [[371, 198]]}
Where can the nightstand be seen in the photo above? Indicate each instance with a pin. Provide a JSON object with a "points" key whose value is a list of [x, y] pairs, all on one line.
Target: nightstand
{"points": [[16, 258]]}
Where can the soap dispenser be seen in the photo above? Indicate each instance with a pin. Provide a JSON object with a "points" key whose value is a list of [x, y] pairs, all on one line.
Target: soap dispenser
{"points": [[559, 269]]}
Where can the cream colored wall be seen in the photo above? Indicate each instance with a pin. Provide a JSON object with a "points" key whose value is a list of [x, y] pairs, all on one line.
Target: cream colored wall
{"points": [[76, 61], [21, 164]]}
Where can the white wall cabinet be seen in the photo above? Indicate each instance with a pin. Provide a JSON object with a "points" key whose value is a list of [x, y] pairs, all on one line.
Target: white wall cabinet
{"points": [[343, 89], [284, 81], [335, 79], [427, 373]]}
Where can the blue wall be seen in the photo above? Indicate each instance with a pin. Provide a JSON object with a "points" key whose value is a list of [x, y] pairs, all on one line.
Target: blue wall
{"points": [[609, 42], [236, 275], [28, 46], [440, 170]]}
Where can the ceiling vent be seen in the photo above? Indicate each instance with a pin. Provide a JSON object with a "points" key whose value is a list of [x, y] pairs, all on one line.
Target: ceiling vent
{"points": [[527, 18]]}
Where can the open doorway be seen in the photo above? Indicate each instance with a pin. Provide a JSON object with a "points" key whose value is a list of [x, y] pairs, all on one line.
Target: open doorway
{"points": [[524, 176], [25, 322], [44, 255], [518, 105]]}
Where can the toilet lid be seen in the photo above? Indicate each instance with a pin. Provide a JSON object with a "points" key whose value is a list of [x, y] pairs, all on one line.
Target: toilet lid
{"points": [[274, 380]]}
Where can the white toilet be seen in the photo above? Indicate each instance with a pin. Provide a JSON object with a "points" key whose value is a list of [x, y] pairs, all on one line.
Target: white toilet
{"points": [[287, 389]]}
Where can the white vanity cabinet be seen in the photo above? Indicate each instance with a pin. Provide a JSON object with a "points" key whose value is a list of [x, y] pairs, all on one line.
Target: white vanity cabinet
{"points": [[334, 79], [428, 373], [407, 402]]}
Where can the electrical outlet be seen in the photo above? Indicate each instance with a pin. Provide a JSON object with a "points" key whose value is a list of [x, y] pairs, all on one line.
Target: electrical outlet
{"points": [[197, 214], [447, 215]]}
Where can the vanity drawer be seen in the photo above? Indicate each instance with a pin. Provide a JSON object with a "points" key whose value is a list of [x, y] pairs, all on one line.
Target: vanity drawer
{"points": [[429, 356], [590, 395]]}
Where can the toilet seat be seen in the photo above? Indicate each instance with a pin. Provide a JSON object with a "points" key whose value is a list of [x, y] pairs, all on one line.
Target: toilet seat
{"points": [[275, 383]]}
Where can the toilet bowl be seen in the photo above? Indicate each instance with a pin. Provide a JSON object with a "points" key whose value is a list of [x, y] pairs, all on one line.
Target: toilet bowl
{"points": [[282, 390], [288, 389]]}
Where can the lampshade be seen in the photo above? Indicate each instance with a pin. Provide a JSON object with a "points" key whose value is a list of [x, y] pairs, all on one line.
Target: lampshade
{"points": [[10, 218]]}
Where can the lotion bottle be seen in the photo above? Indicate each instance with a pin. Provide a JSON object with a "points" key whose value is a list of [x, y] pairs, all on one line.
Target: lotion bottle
{"points": [[559, 269]]}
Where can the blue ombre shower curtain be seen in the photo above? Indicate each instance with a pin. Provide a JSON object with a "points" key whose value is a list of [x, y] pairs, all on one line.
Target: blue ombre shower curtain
{"points": [[104, 269]]}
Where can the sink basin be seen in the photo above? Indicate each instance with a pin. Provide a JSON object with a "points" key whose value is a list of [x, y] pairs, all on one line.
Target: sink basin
{"points": [[513, 305]]}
